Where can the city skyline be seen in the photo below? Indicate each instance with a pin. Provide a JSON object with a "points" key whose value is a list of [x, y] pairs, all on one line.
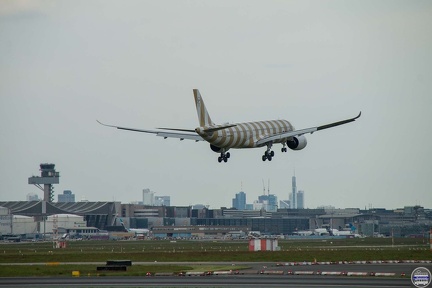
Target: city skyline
{"points": [[65, 64], [166, 201], [261, 202]]}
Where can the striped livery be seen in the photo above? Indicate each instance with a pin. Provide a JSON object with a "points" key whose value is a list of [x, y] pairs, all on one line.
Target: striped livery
{"points": [[246, 135]]}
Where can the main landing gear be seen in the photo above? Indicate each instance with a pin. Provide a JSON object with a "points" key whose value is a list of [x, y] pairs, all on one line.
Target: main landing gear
{"points": [[268, 154], [224, 157]]}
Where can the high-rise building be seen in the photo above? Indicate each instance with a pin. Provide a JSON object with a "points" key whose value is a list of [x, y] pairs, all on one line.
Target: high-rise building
{"points": [[269, 202], [32, 197], [148, 197], [239, 202], [67, 196], [300, 199], [294, 193], [162, 201]]}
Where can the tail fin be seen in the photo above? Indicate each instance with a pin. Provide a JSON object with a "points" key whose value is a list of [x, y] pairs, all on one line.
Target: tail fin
{"points": [[203, 115], [121, 222]]}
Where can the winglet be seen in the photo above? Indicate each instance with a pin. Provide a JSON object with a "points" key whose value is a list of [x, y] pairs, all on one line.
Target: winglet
{"points": [[105, 124], [338, 123]]}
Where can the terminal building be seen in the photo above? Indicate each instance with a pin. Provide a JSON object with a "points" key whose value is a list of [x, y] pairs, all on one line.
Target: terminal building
{"points": [[43, 216], [27, 217]]}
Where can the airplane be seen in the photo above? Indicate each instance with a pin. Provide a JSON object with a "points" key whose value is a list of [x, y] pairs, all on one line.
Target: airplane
{"points": [[348, 231], [327, 231], [223, 137], [137, 231]]}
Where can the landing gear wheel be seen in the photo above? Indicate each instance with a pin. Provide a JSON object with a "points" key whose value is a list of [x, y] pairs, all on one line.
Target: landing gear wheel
{"points": [[219, 159], [225, 159], [228, 155], [268, 154], [284, 149]]}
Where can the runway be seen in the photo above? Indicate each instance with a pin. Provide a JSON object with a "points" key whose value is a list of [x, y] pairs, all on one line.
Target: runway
{"points": [[281, 274], [209, 281]]}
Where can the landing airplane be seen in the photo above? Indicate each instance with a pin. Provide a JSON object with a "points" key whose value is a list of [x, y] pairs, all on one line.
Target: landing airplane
{"points": [[240, 135]]}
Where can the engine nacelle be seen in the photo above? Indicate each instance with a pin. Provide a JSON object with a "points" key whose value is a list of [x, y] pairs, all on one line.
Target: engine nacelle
{"points": [[217, 149], [297, 142]]}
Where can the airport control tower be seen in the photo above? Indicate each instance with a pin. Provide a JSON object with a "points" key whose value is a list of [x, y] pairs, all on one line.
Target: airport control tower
{"points": [[48, 177]]}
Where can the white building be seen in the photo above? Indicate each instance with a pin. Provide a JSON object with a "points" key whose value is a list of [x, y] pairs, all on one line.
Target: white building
{"points": [[162, 201], [5, 221], [300, 199], [32, 197], [257, 205], [148, 197], [28, 225]]}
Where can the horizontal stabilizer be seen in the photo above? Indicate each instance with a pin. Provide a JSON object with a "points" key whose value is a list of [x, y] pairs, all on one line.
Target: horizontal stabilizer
{"points": [[178, 129], [217, 128]]}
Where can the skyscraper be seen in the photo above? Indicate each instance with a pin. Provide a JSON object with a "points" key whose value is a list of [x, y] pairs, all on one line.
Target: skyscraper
{"points": [[162, 200], [294, 193], [148, 197], [300, 199], [239, 202], [67, 196], [269, 202], [32, 197]]}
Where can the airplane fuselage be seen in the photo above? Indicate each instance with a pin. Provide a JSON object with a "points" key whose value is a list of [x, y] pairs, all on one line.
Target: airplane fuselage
{"points": [[246, 135]]}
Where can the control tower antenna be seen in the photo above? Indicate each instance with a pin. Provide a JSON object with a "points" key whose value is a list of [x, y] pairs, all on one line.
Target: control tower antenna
{"points": [[48, 177], [268, 187]]}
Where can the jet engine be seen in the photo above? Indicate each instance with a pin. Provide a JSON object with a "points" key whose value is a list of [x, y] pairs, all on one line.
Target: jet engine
{"points": [[297, 142], [217, 149]]}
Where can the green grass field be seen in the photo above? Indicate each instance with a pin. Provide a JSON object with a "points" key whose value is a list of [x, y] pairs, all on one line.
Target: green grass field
{"points": [[196, 251]]}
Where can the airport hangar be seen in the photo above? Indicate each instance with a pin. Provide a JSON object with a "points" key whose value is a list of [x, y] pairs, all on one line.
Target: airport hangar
{"points": [[96, 214]]}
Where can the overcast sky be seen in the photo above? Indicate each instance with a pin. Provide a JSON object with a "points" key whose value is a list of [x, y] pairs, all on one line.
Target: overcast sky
{"points": [[64, 64]]}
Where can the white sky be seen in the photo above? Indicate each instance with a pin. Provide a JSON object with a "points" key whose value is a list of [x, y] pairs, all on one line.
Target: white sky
{"points": [[64, 64]]}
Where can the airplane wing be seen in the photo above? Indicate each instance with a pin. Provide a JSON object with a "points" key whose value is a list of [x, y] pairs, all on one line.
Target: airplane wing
{"points": [[166, 134], [304, 131]]}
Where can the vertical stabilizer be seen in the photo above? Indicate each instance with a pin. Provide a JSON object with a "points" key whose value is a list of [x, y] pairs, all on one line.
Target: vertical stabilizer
{"points": [[122, 224], [203, 116]]}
